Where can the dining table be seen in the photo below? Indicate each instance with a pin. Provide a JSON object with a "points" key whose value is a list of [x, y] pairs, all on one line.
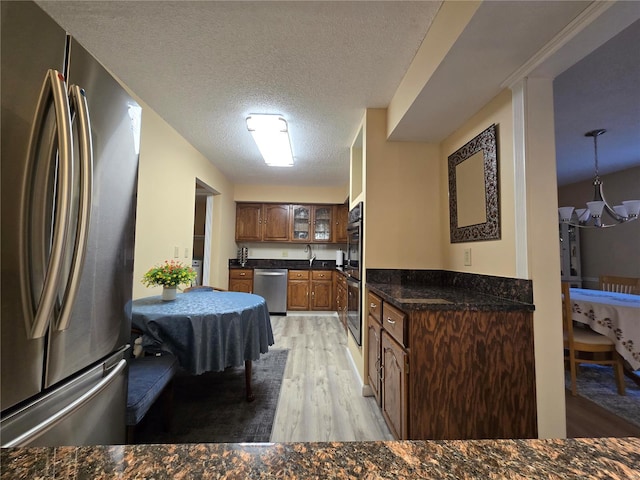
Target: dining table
{"points": [[207, 331], [615, 315]]}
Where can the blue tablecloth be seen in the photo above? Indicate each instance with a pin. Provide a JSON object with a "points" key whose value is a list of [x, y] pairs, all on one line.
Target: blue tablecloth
{"points": [[206, 331]]}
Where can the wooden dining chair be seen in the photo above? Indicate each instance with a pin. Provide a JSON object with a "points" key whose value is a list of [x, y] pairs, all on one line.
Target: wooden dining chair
{"points": [[583, 345], [611, 283]]}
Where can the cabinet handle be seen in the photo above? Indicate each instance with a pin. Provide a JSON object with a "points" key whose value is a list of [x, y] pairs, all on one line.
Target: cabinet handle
{"points": [[242, 274], [373, 306], [392, 322]]}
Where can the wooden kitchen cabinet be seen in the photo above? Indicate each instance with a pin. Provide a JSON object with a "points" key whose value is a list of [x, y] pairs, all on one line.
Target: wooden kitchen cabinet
{"points": [[395, 386], [341, 298], [298, 290], [321, 290], [341, 215], [281, 222], [453, 374], [310, 290], [276, 222], [322, 223], [241, 280], [249, 222], [311, 223], [374, 355], [257, 222]]}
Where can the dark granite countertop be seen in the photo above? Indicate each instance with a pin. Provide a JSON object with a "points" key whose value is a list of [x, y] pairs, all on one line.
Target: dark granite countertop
{"points": [[412, 290], [610, 458], [410, 297], [288, 264]]}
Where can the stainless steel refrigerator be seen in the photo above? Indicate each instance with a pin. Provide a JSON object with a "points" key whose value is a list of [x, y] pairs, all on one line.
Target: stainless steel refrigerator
{"points": [[69, 175]]}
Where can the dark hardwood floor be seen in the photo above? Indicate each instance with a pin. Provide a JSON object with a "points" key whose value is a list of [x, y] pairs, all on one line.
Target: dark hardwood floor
{"points": [[587, 419]]}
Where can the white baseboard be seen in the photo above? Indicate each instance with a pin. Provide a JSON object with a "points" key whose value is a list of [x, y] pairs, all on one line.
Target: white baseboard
{"points": [[365, 389]]}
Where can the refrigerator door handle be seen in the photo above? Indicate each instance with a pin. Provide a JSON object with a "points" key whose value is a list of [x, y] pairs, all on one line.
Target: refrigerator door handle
{"points": [[60, 415], [54, 86], [81, 114]]}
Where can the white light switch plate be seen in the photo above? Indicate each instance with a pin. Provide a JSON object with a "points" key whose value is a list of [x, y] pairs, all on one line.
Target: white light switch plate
{"points": [[467, 257]]}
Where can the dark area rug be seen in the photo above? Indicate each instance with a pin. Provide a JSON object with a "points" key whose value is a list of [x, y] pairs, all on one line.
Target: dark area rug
{"points": [[211, 408], [597, 383]]}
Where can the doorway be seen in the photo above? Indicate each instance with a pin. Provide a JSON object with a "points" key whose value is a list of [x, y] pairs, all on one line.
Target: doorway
{"points": [[202, 228]]}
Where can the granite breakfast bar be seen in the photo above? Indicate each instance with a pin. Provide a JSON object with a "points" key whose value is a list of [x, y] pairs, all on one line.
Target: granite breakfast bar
{"points": [[609, 458]]}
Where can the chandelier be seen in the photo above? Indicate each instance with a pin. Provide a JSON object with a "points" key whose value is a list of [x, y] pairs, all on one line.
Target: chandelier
{"points": [[599, 214]]}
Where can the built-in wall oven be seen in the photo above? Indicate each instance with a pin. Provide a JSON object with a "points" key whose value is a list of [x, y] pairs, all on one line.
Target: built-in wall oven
{"points": [[353, 269]]}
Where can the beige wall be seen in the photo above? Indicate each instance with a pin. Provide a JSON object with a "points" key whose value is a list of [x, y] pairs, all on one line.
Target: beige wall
{"points": [[402, 200], [612, 251], [492, 257], [542, 255], [401, 206], [291, 194], [168, 169]]}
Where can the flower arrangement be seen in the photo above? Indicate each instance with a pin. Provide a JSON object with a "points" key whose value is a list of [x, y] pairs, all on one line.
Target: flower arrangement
{"points": [[169, 274]]}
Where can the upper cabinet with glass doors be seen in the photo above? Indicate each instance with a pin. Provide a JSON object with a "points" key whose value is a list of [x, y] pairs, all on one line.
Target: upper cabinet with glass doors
{"points": [[281, 222], [311, 223]]}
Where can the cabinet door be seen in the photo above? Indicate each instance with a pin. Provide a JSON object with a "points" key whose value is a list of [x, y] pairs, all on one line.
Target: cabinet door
{"points": [[395, 368], [301, 216], [237, 285], [275, 226], [340, 223], [298, 295], [321, 295], [322, 223], [248, 222], [374, 360]]}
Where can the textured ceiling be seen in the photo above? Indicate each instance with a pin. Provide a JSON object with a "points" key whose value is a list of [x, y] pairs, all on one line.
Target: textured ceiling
{"points": [[600, 91], [204, 66]]}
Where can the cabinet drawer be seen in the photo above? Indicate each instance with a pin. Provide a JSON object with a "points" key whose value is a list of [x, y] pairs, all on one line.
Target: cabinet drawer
{"points": [[240, 273], [374, 306], [321, 274], [298, 274], [393, 321]]}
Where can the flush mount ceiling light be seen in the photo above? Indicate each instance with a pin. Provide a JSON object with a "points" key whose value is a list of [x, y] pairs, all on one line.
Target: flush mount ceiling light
{"points": [[598, 211], [271, 134]]}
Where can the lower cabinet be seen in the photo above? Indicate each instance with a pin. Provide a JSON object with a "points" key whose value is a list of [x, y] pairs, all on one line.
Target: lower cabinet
{"points": [[298, 290], [322, 290], [374, 357], [452, 374], [395, 368], [241, 280], [310, 290], [341, 298]]}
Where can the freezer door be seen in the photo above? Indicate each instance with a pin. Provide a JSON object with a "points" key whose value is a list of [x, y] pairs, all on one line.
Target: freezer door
{"points": [[99, 322], [89, 410], [31, 44]]}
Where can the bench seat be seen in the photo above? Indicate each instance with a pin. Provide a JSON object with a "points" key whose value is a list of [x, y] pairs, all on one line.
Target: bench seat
{"points": [[148, 377]]}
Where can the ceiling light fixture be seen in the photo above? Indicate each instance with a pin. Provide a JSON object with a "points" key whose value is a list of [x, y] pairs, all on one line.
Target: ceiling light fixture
{"points": [[594, 215], [271, 134]]}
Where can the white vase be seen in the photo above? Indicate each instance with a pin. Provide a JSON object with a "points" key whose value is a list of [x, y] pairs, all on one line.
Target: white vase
{"points": [[168, 293]]}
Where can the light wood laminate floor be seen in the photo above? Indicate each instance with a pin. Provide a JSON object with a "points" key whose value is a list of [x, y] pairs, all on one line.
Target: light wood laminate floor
{"points": [[321, 395]]}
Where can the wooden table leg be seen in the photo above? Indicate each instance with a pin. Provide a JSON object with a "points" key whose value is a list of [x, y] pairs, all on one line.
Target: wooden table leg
{"points": [[247, 378]]}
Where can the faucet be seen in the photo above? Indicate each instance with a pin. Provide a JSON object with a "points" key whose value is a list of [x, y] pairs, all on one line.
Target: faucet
{"points": [[312, 256]]}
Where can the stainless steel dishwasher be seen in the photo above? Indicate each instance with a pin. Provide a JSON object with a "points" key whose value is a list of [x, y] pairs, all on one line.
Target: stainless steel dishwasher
{"points": [[271, 284]]}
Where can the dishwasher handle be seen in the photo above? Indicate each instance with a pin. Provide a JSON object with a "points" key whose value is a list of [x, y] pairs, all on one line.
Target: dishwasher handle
{"points": [[270, 274]]}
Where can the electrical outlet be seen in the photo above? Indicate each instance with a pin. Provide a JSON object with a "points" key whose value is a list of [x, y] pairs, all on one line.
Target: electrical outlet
{"points": [[186, 252], [285, 253], [467, 257], [176, 252]]}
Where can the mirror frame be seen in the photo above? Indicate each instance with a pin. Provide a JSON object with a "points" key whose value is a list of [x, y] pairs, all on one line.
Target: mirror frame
{"points": [[490, 230]]}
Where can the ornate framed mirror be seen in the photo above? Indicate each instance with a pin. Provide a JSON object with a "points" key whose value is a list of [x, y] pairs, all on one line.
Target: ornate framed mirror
{"points": [[474, 203]]}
